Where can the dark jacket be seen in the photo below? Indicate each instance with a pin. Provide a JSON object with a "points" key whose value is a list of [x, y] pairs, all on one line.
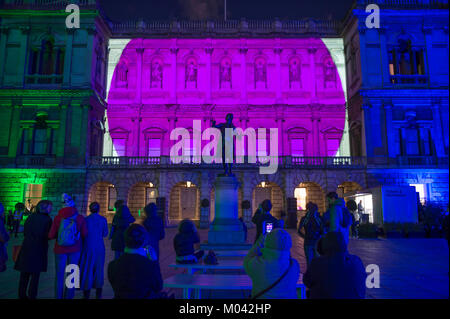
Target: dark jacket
{"points": [[336, 274], [313, 228], [184, 241], [259, 219], [33, 256], [68, 212], [120, 223], [133, 276], [4, 238], [155, 228]]}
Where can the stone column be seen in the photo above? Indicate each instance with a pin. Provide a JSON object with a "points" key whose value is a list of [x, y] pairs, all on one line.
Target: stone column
{"points": [[367, 131], [139, 61], [437, 131], [60, 148], [173, 89], [89, 55], [84, 130], [68, 58], [4, 36], [390, 136], [243, 52], [277, 52], [312, 74], [15, 131], [384, 57], [315, 119], [209, 52]]}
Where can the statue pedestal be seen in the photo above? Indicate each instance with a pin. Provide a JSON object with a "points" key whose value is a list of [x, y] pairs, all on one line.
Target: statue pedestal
{"points": [[226, 231]]}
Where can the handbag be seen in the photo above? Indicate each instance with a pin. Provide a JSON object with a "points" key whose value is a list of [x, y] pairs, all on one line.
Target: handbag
{"points": [[15, 252], [275, 283]]}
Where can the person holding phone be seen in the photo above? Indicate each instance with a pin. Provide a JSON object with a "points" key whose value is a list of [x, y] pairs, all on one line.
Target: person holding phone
{"points": [[269, 264], [263, 217]]}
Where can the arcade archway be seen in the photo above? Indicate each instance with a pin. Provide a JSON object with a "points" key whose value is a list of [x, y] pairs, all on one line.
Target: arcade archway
{"points": [[309, 192], [184, 202], [105, 194], [271, 191], [140, 195]]}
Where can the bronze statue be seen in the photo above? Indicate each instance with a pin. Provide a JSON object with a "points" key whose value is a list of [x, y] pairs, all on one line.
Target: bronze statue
{"points": [[222, 126]]}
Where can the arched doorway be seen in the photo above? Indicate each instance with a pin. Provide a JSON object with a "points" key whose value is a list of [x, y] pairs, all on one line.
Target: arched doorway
{"points": [[212, 204], [184, 202], [309, 192], [271, 191], [105, 194], [139, 196]]}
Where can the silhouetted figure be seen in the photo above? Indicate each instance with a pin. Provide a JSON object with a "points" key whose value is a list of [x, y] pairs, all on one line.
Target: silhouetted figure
{"points": [[313, 226], [154, 226]]}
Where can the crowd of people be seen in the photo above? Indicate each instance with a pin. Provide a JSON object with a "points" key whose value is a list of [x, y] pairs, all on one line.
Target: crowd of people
{"points": [[332, 272]]}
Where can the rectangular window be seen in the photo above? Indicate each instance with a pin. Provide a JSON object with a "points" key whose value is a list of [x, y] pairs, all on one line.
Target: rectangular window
{"points": [[32, 194], [332, 147], [150, 195], [300, 195], [112, 197], [425, 139], [40, 142], [119, 147], [297, 147], [412, 142], [154, 147]]}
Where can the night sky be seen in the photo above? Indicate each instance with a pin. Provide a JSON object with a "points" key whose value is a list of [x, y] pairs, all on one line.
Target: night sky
{"points": [[120, 10]]}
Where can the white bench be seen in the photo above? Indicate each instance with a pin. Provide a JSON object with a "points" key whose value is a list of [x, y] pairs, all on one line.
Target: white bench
{"points": [[231, 253], [224, 264], [197, 283]]}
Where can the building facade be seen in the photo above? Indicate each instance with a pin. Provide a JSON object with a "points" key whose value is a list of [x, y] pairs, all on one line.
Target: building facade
{"points": [[90, 111]]}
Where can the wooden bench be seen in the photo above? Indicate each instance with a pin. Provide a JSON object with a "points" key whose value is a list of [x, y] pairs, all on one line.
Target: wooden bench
{"points": [[192, 285], [224, 264]]}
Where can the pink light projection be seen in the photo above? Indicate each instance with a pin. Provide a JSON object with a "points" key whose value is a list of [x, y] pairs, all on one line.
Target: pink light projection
{"points": [[289, 84]]}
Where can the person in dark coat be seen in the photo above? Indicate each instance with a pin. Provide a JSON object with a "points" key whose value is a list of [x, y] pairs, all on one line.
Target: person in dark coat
{"points": [[122, 219], [33, 256], [92, 260], [154, 226], [264, 216], [4, 238], [135, 275], [184, 242], [335, 274], [312, 223]]}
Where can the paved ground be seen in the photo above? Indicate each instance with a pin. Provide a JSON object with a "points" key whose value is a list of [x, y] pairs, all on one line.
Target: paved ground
{"points": [[410, 268]]}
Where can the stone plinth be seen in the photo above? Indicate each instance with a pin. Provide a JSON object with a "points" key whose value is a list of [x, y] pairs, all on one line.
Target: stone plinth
{"points": [[226, 229]]}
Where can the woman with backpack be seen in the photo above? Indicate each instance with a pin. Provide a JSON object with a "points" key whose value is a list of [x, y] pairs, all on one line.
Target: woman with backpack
{"points": [[33, 256], [122, 219], [68, 229]]}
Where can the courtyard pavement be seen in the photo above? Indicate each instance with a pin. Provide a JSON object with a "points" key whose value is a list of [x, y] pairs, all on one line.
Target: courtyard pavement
{"points": [[409, 268]]}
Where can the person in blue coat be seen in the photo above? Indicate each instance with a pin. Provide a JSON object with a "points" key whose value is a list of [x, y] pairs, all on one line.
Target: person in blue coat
{"points": [[92, 260], [154, 226]]}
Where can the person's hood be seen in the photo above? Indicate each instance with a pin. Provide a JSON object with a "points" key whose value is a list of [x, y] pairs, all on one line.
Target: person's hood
{"points": [[68, 201], [333, 243], [339, 202], [186, 226], [277, 244], [67, 212]]}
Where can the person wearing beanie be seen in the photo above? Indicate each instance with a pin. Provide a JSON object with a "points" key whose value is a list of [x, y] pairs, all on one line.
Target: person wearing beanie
{"points": [[136, 274], [269, 260], [335, 274], [66, 254]]}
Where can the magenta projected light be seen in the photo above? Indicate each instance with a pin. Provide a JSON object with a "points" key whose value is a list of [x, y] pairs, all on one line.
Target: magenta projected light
{"points": [[293, 85]]}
